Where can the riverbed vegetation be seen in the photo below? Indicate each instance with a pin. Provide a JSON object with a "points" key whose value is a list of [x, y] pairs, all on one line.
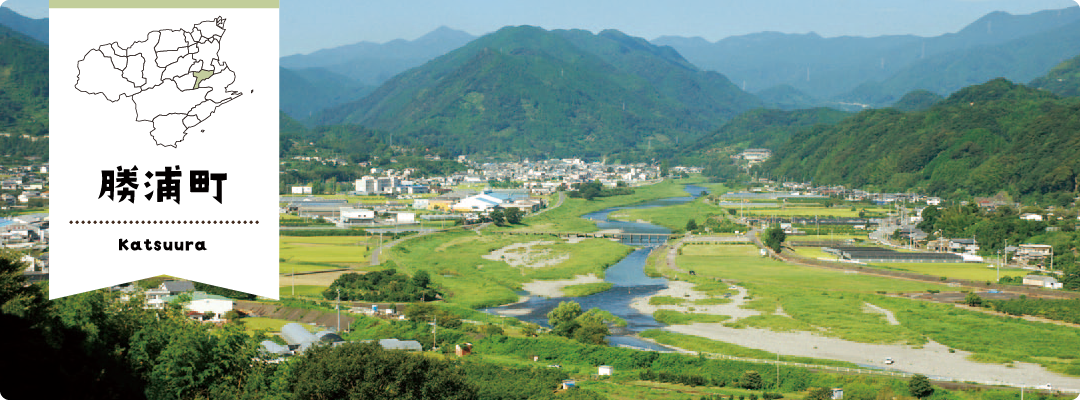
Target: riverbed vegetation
{"points": [[567, 217], [675, 217], [458, 269], [792, 297]]}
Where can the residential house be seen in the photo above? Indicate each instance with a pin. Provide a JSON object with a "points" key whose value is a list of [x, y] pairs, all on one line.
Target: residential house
{"points": [[1031, 217], [1034, 253]]}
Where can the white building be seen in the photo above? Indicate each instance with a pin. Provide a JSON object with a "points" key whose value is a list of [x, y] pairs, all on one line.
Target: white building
{"points": [[301, 190], [1031, 217]]}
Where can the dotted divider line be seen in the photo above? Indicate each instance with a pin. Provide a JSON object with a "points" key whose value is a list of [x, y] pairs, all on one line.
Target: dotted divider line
{"points": [[164, 222]]}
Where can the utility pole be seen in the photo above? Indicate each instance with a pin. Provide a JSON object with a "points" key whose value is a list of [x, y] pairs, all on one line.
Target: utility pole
{"points": [[434, 328], [338, 307]]}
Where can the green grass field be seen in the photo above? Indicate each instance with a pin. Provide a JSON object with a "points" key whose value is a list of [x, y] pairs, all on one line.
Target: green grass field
{"points": [[316, 253], [672, 217], [274, 325], [814, 298], [302, 291], [971, 271], [566, 218]]}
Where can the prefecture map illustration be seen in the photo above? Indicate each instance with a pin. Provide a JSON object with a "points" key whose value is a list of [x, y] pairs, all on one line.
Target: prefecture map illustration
{"points": [[174, 77]]}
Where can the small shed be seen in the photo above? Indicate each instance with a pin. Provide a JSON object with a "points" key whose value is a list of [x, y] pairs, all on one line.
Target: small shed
{"points": [[462, 350], [568, 384], [837, 394], [605, 370]]}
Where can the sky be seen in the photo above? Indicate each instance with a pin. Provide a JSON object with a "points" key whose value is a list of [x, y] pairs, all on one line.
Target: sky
{"points": [[307, 26], [311, 25]]}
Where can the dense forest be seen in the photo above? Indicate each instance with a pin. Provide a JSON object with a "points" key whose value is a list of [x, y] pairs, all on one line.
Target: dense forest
{"points": [[984, 139], [536, 93], [24, 87]]}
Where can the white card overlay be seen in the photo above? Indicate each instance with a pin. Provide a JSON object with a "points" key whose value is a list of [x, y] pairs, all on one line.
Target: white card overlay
{"points": [[186, 90]]}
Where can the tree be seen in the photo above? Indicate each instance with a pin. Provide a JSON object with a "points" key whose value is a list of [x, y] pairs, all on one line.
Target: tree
{"points": [[774, 238], [421, 279], [592, 332], [366, 371], [819, 394], [691, 225], [498, 217], [663, 168], [750, 380], [920, 386], [973, 300], [513, 215], [565, 312]]}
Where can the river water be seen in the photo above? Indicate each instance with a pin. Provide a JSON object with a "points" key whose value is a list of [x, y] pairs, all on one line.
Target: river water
{"points": [[627, 277]]}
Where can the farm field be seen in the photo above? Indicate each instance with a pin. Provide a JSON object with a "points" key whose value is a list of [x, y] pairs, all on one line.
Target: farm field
{"points": [[313, 253], [971, 271], [818, 238], [807, 211], [301, 290], [272, 325]]}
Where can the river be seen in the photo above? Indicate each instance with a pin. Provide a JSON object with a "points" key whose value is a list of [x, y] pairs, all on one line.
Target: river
{"points": [[627, 277]]}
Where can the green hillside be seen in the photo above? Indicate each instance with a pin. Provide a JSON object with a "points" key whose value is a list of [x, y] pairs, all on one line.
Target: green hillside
{"points": [[918, 100], [534, 93], [981, 140], [24, 84], [1063, 80]]}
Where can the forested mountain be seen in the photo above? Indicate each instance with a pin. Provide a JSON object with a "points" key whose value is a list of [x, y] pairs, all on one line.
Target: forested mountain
{"points": [[306, 92], [918, 100], [1063, 80], [766, 128], [1020, 60], [981, 140], [374, 63], [825, 68], [531, 92], [35, 28], [24, 84]]}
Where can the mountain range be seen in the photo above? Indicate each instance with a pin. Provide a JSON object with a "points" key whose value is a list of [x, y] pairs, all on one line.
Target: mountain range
{"points": [[372, 64], [38, 29], [833, 68], [533, 92]]}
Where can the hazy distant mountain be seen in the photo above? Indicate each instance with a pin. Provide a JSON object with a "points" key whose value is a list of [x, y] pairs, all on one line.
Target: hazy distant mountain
{"points": [[1019, 60], [1062, 80], [536, 92], [306, 92], [374, 63], [24, 84], [35, 28], [787, 97], [827, 67]]}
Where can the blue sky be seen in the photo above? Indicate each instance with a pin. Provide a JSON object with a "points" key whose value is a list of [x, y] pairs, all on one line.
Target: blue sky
{"points": [[307, 26], [311, 25]]}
